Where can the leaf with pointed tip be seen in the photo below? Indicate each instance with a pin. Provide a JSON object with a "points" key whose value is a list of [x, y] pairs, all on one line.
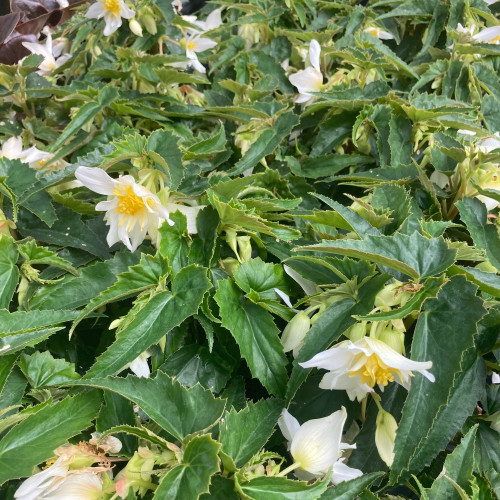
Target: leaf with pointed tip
{"points": [[191, 478], [154, 320], [349, 490], [434, 412], [148, 273], [9, 273], [473, 212], [179, 411], [256, 334], [34, 439], [21, 328], [244, 433], [415, 256]]}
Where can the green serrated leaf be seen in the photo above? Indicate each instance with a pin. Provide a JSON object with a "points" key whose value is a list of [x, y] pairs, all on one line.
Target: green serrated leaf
{"points": [[172, 410]]}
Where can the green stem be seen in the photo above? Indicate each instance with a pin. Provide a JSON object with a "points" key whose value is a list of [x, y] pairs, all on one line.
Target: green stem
{"points": [[292, 467]]}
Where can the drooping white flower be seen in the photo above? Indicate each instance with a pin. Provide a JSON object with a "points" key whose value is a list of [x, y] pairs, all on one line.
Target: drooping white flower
{"points": [[39, 159], [69, 477], [131, 209], [379, 33], [112, 11], [316, 445], [310, 79], [76, 486], [489, 35], [51, 60], [33, 487], [196, 43], [357, 367]]}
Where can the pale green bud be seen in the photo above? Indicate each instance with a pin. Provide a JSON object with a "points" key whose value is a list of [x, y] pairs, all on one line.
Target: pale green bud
{"points": [[385, 435], [135, 27], [230, 265], [487, 267], [391, 296], [356, 332], [149, 23], [295, 332], [393, 337], [244, 248]]}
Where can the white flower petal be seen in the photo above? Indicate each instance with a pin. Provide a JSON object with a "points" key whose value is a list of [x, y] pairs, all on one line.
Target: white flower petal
{"points": [[314, 55], [308, 80], [214, 19], [488, 34], [112, 24], [342, 381], [308, 286], [342, 472], [335, 358], [202, 44], [284, 297], [96, 180], [140, 366], [190, 212], [393, 359], [84, 486], [288, 425], [12, 148], [96, 11], [316, 444]]}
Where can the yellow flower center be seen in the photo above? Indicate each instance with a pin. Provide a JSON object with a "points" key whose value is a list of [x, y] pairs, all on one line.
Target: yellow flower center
{"points": [[191, 45], [375, 371], [48, 463], [495, 40], [112, 6], [128, 202], [373, 31], [41, 163]]}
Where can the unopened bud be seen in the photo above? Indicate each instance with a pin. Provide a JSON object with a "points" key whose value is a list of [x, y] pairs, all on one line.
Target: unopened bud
{"points": [[295, 332], [385, 435], [135, 27], [356, 332], [244, 248], [149, 23], [392, 337]]}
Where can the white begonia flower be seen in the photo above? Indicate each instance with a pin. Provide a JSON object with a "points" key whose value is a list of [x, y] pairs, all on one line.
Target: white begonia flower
{"points": [[77, 486], [35, 486], [69, 477], [37, 159], [310, 79], [357, 367], [489, 35], [51, 60], [316, 445], [196, 43], [379, 33], [131, 209], [112, 11]]}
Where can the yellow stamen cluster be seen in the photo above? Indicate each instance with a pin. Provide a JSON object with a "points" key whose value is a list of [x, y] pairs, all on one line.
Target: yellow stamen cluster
{"points": [[496, 39], [375, 371], [191, 45], [112, 6], [128, 202]]}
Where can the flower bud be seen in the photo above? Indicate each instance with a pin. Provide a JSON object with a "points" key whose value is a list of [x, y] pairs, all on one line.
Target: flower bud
{"points": [[149, 23], [230, 265], [385, 435], [356, 332], [393, 337], [391, 296], [295, 332], [244, 248], [135, 27]]}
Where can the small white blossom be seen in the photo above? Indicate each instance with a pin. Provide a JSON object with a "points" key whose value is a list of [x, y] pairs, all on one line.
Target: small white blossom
{"points": [[12, 148], [131, 210], [53, 57], [357, 367], [112, 11], [310, 79], [316, 445]]}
